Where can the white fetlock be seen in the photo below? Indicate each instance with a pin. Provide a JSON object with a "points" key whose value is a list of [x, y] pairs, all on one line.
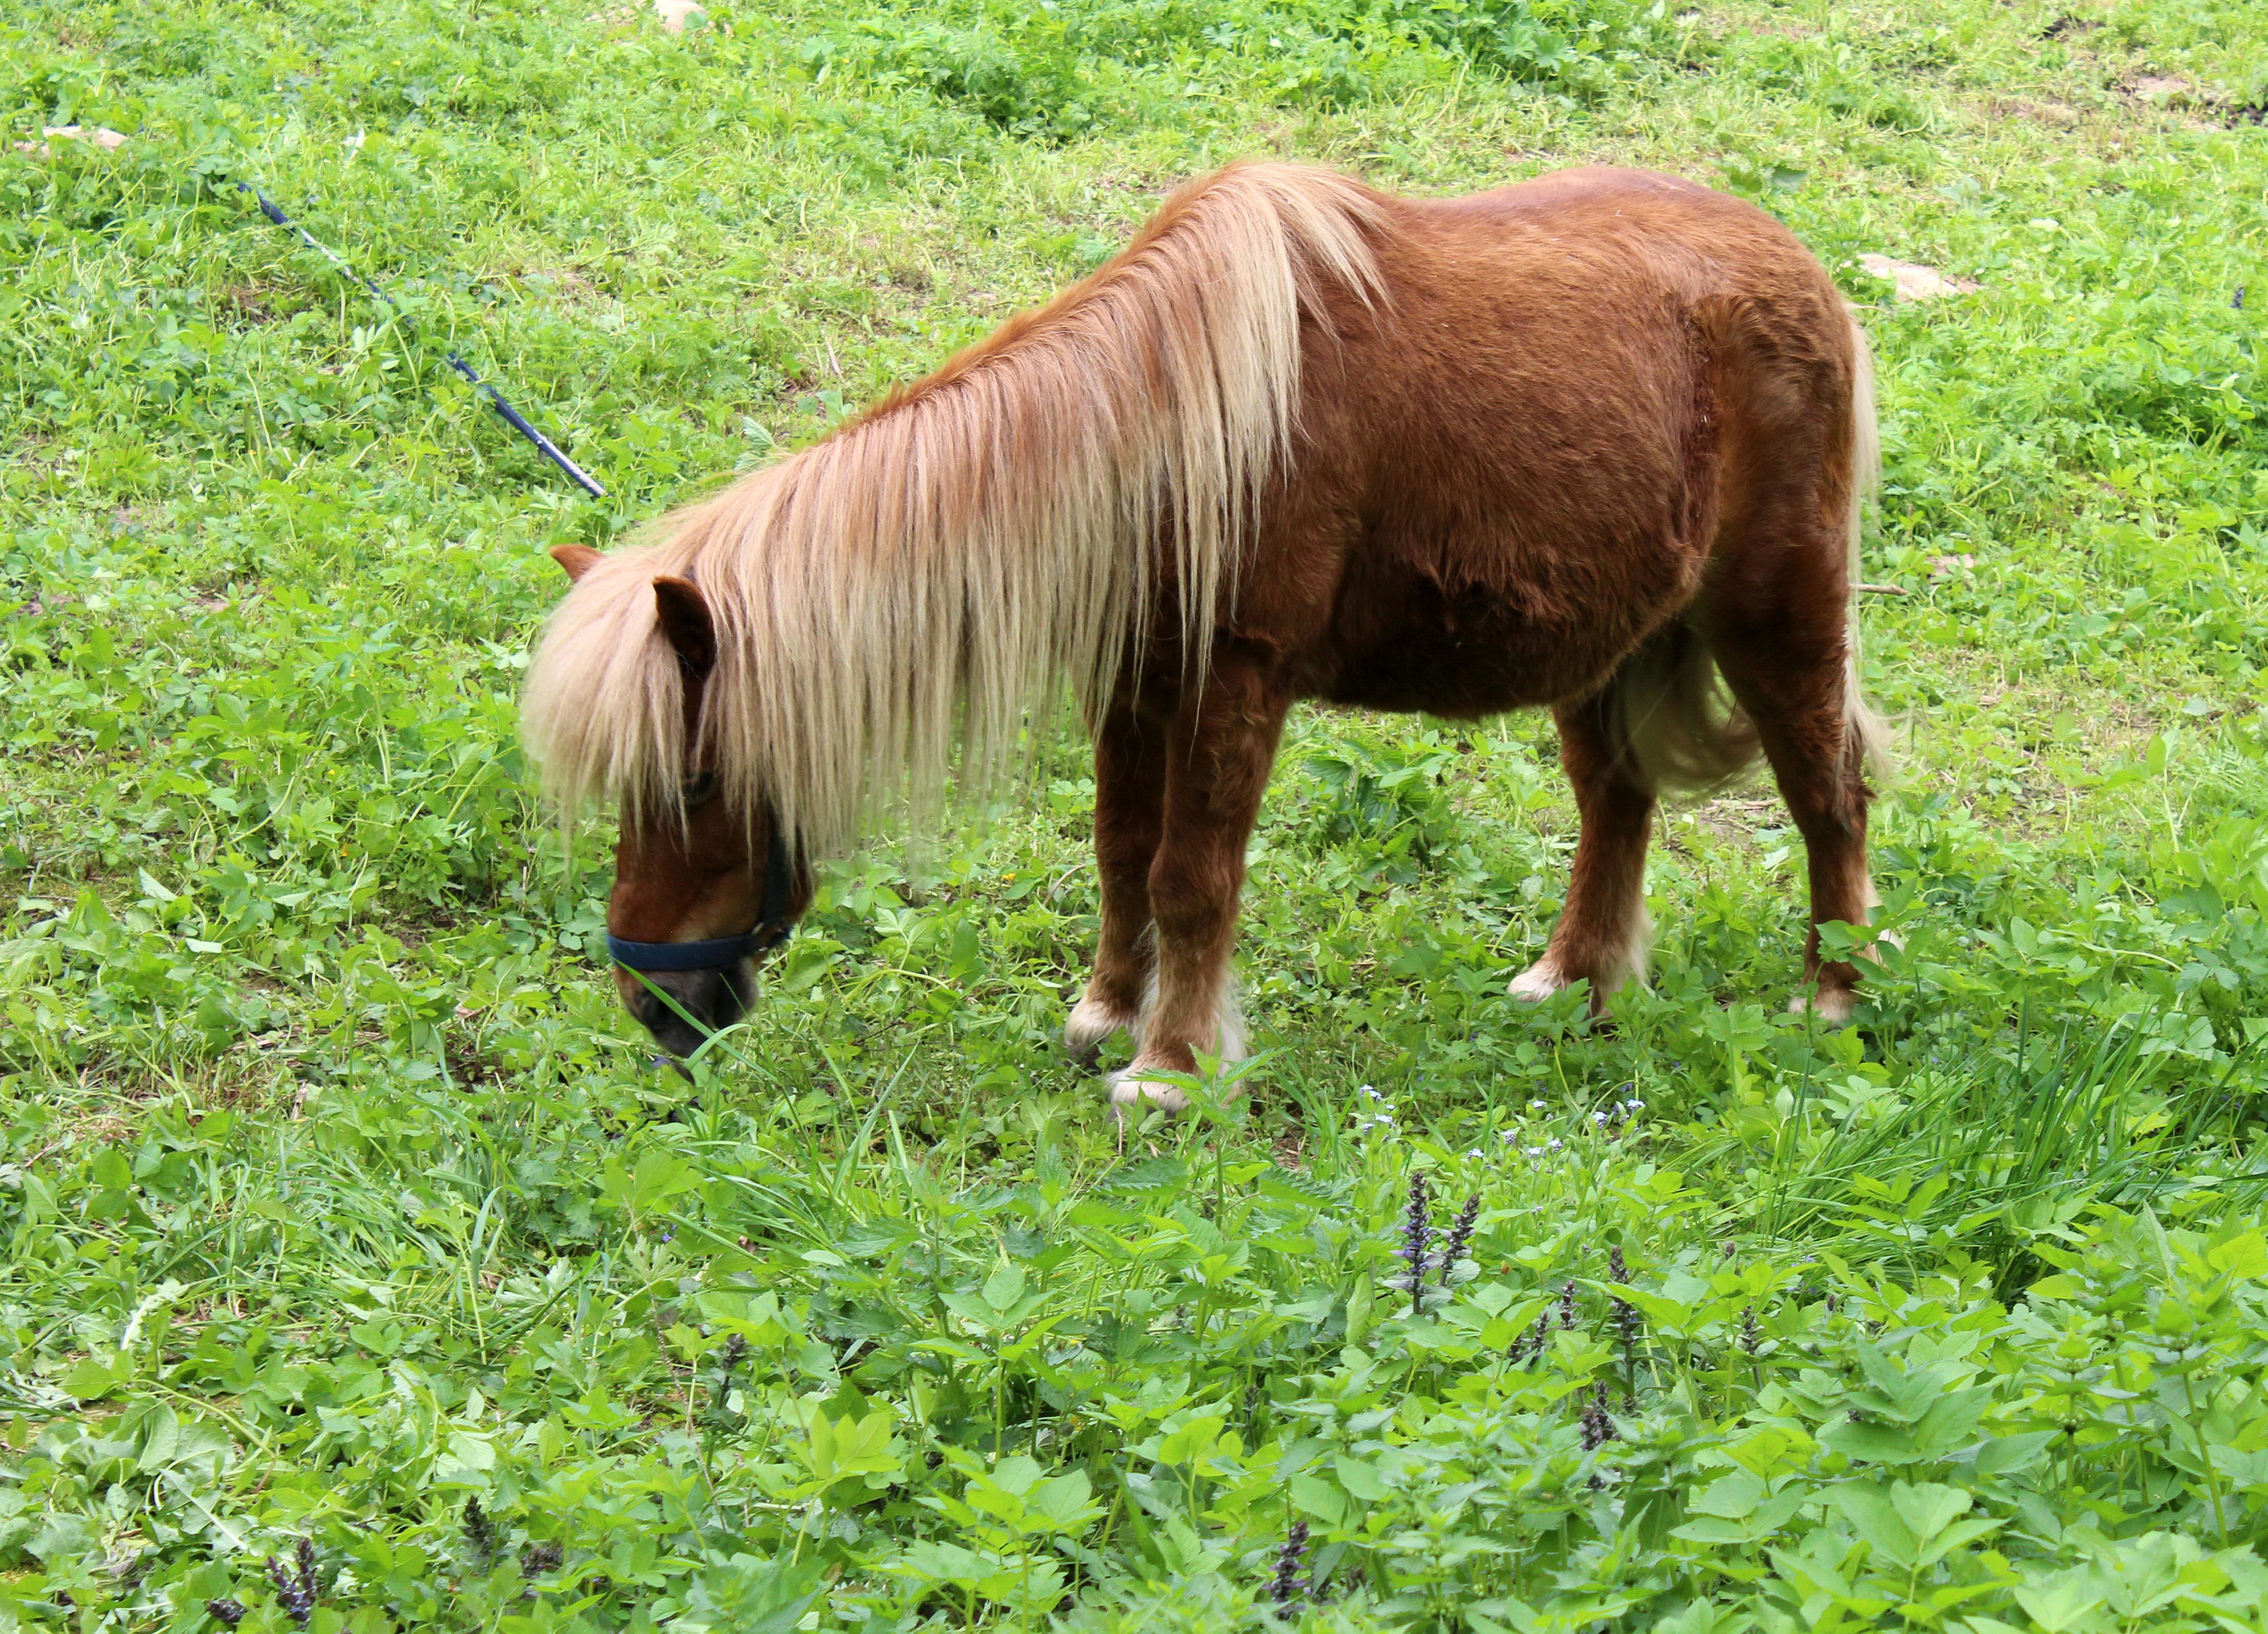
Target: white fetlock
{"points": [[1538, 981], [1092, 1021], [1833, 1005], [1129, 1091]]}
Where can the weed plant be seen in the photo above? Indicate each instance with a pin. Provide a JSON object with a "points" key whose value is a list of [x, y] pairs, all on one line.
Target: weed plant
{"points": [[362, 1273]]}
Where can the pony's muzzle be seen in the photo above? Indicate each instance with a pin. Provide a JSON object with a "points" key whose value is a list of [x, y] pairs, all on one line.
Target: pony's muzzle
{"points": [[681, 1008]]}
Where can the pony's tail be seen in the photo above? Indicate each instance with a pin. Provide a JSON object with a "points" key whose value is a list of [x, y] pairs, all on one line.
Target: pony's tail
{"points": [[1667, 713], [1672, 722], [1867, 733]]}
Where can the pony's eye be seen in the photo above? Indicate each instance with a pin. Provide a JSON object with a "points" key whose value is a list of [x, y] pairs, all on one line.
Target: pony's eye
{"points": [[698, 788]]}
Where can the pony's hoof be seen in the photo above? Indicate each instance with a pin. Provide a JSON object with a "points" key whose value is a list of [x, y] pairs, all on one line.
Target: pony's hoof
{"points": [[1130, 1094], [1538, 981], [1831, 1005], [1092, 1022]]}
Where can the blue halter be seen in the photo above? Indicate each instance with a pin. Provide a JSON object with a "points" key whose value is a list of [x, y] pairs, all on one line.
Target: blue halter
{"points": [[722, 953]]}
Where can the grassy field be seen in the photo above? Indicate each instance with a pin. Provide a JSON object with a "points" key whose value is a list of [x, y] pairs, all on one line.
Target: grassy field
{"points": [[362, 1273]]}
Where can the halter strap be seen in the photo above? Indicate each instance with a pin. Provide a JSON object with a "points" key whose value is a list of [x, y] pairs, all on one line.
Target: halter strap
{"points": [[722, 953]]}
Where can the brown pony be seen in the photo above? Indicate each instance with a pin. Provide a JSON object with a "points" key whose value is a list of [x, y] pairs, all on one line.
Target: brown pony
{"points": [[1592, 441]]}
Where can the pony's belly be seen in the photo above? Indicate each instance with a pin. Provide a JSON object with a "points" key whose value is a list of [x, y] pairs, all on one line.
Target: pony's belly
{"points": [[1465, 666], [1455, 691], [1469, 620]]}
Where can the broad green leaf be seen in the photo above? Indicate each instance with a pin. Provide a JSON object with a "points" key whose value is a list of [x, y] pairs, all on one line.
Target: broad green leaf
{"points": [[1732, 1497], [1668, 1314], [1360, 1478], [1358, 1310], [1928, 1508], [1769, 1449], [1195, 1435], [1876, 1519], [846, 1448], [2242, 1259], [2009, 1454], [1318, 1498], [2061, 1601], [1065, 1503], [1004, 1286], [91, 1380]]}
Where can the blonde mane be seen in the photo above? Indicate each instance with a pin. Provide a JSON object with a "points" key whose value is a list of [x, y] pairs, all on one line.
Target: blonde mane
{"points": [[912, 587]]}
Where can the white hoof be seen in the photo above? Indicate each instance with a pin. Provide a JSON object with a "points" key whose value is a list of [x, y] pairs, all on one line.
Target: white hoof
{"points": [[1538, 981], [1092, 1021], [1833, 1005], [1129, 1092]]}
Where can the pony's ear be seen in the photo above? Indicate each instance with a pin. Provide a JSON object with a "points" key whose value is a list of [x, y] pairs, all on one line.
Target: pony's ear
{"points": [[576, 559], [685, 620]]}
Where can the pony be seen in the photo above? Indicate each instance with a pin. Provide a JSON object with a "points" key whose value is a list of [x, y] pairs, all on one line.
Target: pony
{"points": [[1596, 442]]}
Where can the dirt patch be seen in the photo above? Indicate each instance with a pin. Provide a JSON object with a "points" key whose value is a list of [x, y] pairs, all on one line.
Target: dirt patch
{"points": [[251, 303], [2157, 87], [1739, 816], [2055, 115], [673, 15], [1915, 282], [561, 284], [2175, 93], [102, 135]]}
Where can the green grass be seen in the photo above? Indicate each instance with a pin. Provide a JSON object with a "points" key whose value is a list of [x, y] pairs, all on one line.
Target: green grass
{"points": [[339, 1198]]}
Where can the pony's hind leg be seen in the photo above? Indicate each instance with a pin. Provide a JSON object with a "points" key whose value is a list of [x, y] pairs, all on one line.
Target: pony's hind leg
{"points": [[1783, 648], [1601, 934], [1129, 804], [1223, 744]]}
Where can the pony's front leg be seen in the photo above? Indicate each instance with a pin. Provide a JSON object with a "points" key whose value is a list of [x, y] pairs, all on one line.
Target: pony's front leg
{"points": [[1222, 745], [1130, 814]]}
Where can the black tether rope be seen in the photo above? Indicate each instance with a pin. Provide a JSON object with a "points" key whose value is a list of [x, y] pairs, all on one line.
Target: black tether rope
{"points": [[544, 445]]}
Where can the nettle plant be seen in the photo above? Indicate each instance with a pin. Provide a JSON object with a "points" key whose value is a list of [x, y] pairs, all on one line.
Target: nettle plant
{"points": [[1200, 1379]]}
